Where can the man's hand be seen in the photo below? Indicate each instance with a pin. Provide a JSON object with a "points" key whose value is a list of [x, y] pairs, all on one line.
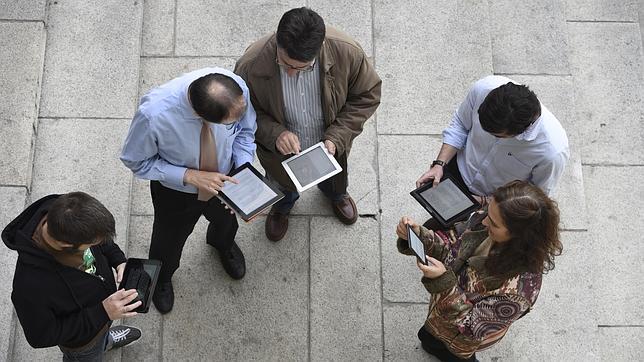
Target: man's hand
{"points": [[116, 304], [288, 143], [330, 146], [209, 181], [401, 229], [435, 173], [433, 269], [119, 273]]}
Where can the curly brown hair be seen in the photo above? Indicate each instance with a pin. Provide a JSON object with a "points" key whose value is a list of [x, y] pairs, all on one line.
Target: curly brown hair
{"points": [[532, 219]]}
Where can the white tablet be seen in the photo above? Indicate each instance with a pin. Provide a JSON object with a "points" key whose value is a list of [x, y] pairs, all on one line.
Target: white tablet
{"points": [[312, 166]]}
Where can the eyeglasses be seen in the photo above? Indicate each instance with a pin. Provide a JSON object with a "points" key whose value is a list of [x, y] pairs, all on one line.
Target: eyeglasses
{"points": [[306, 68]]}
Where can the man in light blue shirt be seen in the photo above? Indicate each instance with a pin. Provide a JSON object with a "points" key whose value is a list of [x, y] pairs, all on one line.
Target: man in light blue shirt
{"points": [[501, 133], [166, 145]]}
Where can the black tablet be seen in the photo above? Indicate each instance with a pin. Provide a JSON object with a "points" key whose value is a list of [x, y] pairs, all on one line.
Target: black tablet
{"points": [[416, 245], [252, 195], [448, 202], [142, 275]]}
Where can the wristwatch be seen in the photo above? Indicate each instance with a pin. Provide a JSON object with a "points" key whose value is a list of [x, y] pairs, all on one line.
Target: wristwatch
{"points": [[438, 162]]}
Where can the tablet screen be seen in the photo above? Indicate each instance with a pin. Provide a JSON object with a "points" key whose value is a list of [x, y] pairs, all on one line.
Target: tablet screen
{"points": [[311, 166], [447, 199], [416, 245], [250, 193]]}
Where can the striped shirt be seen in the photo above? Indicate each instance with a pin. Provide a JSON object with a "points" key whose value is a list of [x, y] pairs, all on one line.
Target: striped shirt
{"points": [[303, 105]]}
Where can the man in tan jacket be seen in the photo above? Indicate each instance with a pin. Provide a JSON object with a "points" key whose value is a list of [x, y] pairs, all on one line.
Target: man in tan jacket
{"points": [[308, 83]]}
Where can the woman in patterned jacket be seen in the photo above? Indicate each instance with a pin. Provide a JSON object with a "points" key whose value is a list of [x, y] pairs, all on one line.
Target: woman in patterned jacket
{"points": [[485, 273]]}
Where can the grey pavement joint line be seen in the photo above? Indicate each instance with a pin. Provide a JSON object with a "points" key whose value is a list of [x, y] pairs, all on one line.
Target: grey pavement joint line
{"points": [[603, 21], [310, 286], [620, 325], [612, 164], [90, 118], [377, 169], [538, 74], [188, 56], [174, 30], [21, 21], [15, 186], [433, 135]]}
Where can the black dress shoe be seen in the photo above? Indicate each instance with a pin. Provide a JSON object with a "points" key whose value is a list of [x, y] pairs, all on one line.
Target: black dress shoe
{"points": [[233, 262], [163, 297], [276, 225]]}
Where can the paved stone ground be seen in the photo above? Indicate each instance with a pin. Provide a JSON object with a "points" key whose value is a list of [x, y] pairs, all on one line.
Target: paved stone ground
{"points": [[71, 74]]}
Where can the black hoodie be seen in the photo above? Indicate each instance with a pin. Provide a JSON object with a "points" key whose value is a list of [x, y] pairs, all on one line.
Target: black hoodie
{"points": [[57, 304]]}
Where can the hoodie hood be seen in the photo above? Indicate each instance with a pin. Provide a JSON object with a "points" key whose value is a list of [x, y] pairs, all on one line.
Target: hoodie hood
{"points": [[17, 235]]}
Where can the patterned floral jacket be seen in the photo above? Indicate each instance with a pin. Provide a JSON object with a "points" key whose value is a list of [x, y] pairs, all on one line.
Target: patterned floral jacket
{"points": [[471, 310]]}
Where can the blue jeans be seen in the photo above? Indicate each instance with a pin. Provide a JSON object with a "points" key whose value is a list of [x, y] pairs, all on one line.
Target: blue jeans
{"points": [[93, 353], [285, 205]]}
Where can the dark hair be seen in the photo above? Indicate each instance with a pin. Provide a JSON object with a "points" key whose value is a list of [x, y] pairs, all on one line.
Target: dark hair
{"points": [[532, 219], [509, 109], [216, 97], [77, 218], [301, 33]]}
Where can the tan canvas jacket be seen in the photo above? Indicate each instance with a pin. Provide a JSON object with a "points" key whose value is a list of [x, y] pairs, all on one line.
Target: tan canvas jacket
{"points": [[350, 95]]}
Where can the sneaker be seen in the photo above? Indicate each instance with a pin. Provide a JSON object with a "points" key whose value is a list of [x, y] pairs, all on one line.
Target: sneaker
{"points": [[120, 336]]}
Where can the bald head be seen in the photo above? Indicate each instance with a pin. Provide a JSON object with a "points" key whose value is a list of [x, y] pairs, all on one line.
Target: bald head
{"points": [[217, 98]]}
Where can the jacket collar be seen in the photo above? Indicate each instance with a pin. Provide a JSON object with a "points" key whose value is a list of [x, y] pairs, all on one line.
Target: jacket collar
{"points": [[265, 65]]}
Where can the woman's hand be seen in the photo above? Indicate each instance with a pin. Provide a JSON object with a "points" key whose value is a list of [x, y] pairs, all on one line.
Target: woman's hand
{"points": [[433, 269], [401, 229]]}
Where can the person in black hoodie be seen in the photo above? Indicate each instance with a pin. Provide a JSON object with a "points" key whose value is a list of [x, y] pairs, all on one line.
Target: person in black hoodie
{"points": [[64, 290]]}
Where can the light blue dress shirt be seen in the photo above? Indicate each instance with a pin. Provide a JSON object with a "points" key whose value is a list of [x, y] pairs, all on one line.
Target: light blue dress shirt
{"points": [[163, 141], [538, 155]]}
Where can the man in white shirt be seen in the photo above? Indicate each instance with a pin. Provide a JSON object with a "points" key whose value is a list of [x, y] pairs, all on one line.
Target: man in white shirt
{"points": [[500, 133]]}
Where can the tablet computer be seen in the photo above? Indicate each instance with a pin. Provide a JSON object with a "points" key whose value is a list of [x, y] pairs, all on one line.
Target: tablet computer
{"points": [[252, 195], [416, 245], [448, 202], [311, 166], [142, 275]]}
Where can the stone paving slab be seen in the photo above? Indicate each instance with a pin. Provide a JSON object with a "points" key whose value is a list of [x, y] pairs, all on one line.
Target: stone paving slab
{"points": [[229, 27], [149, 347], [158, 27], [92, 59], [156, 71], [22, 9], [345, 291], [398, 175], [261, 317], [13, 202], [140, 200], [428, 61], [529, 37], [22, 49], [401, 323], [353, 19], [615, 234], [556, 94], [82, 155], [620, 344], [601, 10], [608, 91]]}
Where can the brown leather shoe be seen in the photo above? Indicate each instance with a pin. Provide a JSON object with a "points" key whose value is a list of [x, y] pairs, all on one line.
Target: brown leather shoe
{"points": [[346, 210], [276, 226]]}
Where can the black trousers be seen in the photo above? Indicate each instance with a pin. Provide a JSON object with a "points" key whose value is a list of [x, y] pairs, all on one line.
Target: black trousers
{"points": [[175, 216], [437, 348]]}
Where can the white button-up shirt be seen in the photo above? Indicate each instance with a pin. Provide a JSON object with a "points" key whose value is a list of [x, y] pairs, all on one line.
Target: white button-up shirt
{"points": [[538, 155]]}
